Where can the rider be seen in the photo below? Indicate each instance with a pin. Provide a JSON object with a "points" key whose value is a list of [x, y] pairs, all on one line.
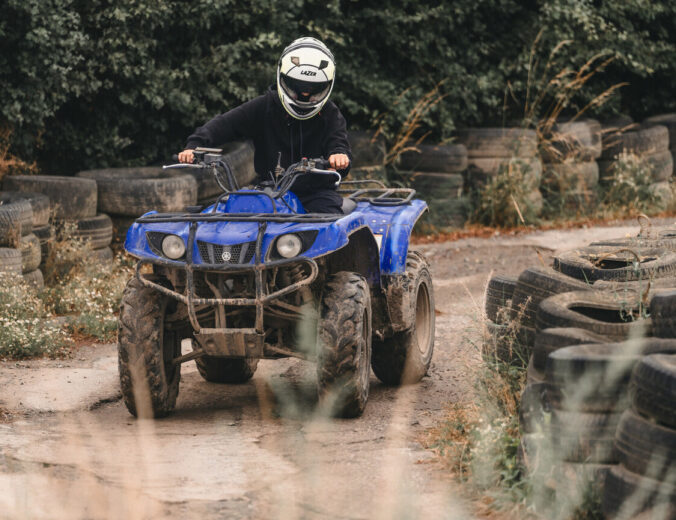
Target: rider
{"points": [[295, 118]]}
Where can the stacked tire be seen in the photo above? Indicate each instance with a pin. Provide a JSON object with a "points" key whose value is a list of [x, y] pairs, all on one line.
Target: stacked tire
{"points": [[435, 172], [669, 121], [645, 441], [650, 145], [505, 153], [598, 406], [72, 201], [570, 173], [368, 156], [127, 193]]}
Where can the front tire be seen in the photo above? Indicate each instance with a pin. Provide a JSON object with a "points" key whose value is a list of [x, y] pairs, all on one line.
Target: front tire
{"points": [[148, 379], [226, 370], [405, 357], [344, 350]]}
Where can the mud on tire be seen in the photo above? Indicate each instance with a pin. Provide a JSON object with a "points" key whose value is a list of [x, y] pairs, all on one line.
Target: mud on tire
{"points": [[344, 344], [148, 380], [226, 370], [405, 357]]}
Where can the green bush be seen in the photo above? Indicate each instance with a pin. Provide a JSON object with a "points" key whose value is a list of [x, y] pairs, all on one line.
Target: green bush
{"points": [[96, 83]]}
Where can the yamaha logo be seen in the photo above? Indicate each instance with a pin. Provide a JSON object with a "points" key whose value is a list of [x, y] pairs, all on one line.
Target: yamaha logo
{"points": [[226, 256]]}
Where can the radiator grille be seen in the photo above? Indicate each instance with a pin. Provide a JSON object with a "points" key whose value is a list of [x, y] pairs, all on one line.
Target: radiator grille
{"points": [[230, 254]]}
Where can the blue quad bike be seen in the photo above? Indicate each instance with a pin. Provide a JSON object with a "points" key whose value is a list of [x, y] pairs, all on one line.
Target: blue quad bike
{"points": [[253, 276]]}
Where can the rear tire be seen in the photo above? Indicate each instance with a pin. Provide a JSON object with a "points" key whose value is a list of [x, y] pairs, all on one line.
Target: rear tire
{"points": [[148, 379], [226, 370], [344, 350], [405, 357]]}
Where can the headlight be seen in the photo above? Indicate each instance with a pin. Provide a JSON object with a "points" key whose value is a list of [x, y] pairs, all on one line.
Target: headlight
{"points": [[173, 247], [289, 245]]}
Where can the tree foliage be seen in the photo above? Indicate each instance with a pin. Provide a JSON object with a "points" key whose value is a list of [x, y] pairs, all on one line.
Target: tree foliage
{"points": [[95, 83]]}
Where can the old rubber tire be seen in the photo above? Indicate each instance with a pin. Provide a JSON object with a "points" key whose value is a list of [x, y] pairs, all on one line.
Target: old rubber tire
{"points": [[646, 448], [405, 357], [69, 197], [498, 297], [596, 311], [10, 261], [225, 370], [663, 313], [134, 191], [103, 256], [551, 340], [35, 280], [595, 378], [640, 140], [572, 140], [653, 388], [534, 285], [570, 177], [430, 185], [584, 437], [31, 253], [98, 230], [483, 170], [46, 236], [626, 494], [344, 344], [39, 204], [148, 380], [612, 263], [498, 142], [16, 220], [444, 158]]}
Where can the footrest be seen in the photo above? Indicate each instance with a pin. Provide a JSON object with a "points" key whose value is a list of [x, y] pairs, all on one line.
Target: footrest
{"points": [[231, 342]]}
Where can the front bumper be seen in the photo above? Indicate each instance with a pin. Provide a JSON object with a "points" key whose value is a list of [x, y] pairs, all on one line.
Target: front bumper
{"points": [[236, 342]]}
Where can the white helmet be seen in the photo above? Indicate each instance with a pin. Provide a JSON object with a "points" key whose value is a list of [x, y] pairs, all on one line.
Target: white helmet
{"points": [[305, 77]]}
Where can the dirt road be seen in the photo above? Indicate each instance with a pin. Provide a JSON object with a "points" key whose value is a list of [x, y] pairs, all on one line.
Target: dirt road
{"points": [[73, 451]]}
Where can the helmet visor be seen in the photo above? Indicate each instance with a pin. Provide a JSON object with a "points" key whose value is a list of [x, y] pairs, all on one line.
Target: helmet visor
{"points": [[305, 91]]}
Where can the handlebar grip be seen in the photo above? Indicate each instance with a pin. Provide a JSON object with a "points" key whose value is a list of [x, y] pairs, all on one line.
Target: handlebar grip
{"points": [[174, 157], [322, 164]]}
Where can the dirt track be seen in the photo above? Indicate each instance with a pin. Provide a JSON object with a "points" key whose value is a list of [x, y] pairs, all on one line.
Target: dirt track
{"points": [[73, 451]]}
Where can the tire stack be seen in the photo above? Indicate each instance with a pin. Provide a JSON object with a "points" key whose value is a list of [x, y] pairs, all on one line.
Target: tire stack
{"points": [[509, 152], [435, 172], [30, 244], [70, 200], [645, 440], [570, 174], [651, 145], [127, 193], [668, 120], [601, 315], [368, 156]]}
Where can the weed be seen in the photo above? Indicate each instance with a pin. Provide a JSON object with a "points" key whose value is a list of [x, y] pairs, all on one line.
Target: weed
{"points": [[27, 327], [10, 164], [87, 291], [628, 187], [508, 199]]}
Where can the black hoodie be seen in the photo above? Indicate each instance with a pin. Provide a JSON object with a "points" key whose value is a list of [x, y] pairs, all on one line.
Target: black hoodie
{"points": [[272, 130]]}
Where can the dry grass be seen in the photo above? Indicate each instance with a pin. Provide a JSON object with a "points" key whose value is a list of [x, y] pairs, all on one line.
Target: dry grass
{"points": [[9, 163]]}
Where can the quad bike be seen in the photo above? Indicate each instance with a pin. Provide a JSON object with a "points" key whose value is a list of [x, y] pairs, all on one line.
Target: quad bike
{"points": [[253, 276]]}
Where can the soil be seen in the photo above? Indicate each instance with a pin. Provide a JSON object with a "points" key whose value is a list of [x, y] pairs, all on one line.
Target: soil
{"points": [[260, 449]]}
